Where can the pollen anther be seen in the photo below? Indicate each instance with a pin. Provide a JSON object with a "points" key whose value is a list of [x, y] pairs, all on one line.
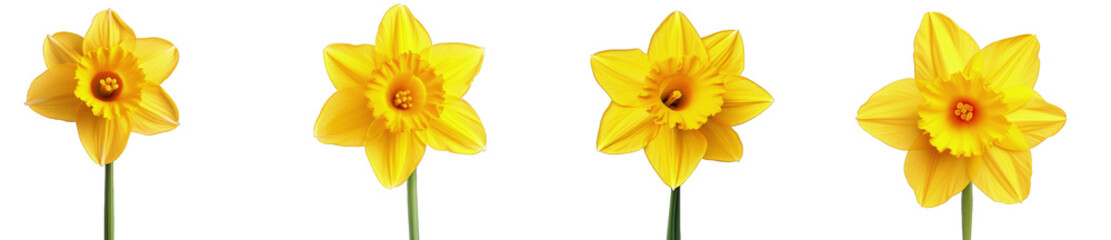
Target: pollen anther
{"points": [[108, 85], [673, 99], [403, 99], [963, 111]]}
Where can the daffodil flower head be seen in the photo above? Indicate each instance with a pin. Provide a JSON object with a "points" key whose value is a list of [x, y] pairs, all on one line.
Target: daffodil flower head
{"points": [[400, 96], [969, 115], [679, 100], [109, 82]]}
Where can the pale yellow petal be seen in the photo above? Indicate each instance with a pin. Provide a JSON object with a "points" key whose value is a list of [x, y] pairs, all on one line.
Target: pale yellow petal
{"points": [[941, 48], [104, 139], [726, 51], [157, 112], [400, 32], [458, 63], [157, 57], [723, 144], [62, 48], [1009, 62], [344, 119], [458, 130], [1005, 175], [891, 114], [349, 66], [106, 31], [1037, 120], [51, 93], [625, 129], [674, 154], [675, 39], [622, 74], [935, 177], [393, 156], [743, 100]]}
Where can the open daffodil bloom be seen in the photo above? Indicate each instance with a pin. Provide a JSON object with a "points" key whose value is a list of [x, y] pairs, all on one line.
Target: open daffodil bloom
{"points": [[401, 95], [969, 115], [679, 101], [109, 83]]}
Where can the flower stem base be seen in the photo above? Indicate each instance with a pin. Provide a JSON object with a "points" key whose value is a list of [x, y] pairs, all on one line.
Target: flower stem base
{"points": [[109, 205], [673, 216], [966, 212], [411, 187]]}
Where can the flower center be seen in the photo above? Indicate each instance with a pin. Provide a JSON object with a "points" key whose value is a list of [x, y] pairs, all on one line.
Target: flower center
{"points": [[406, 92], [672, 100], [963, 111], [106, 86], [689, 91], [402, 99]]}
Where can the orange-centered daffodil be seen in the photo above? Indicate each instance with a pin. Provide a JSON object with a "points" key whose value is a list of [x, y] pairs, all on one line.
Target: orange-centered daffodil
{"points": [[679, 101], [108, 82], [968, 115], [400, 95]]}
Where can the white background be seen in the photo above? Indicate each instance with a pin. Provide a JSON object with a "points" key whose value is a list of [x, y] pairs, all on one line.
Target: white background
{"points": [[251, 81]]}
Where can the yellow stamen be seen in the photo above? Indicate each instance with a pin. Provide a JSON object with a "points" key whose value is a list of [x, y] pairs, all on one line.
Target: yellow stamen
{"points": [[963, 111], [673, 98], [108, 86], [402, 99]]}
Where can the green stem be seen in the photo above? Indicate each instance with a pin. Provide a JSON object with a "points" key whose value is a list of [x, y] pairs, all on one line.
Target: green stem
{"points": [[966, 212], [109, 208], [673, 216], [411, 186]]}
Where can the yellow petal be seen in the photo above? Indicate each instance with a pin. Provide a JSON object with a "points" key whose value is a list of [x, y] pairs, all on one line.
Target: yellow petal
{"points": [[62, 48], [344, 119], [157, 112], [157, 57], [1009, 62], [935, 177], [625, 129], [622, 74], [675, 39], [51, 94], [1037, 119], [1005, 175], [104, 139], [674, 154], [458, 130], [743, 100], [941, 48], [106, 31], [891, 114], [726, 51], [723, 144], [458, 63], [1012, 140], [349, 66], [393, 156], [400, 32], [1016, 96]]}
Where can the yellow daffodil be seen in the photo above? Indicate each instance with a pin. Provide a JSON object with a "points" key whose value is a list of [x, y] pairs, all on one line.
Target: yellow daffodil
{"points": [[679, 101], [108, 82], [968, 115], [400, 95]]}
